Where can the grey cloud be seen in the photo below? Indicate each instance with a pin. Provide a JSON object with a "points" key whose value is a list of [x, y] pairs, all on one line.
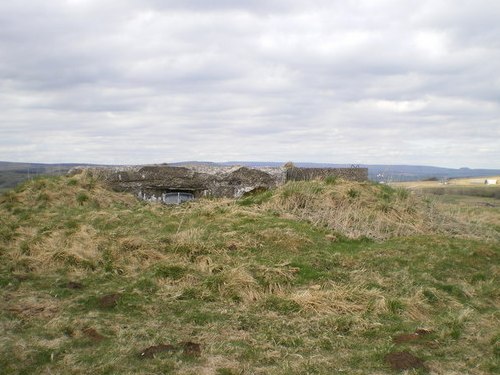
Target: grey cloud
{"points": [[350, 81]]}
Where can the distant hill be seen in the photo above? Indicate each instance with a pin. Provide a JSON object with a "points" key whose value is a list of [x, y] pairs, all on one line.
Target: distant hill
{"points": [[12, 173], [385, 172], [382, 172]]}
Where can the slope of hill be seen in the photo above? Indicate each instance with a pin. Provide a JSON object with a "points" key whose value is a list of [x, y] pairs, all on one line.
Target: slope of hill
{"points": [[315, 277]]}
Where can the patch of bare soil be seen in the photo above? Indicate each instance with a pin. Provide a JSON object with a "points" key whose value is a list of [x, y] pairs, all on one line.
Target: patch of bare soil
{"points": [[411, 337], [74, 285], [109, 300], [21, 277], [92, 334], [191, 349], [153, 350], [403, 361]]}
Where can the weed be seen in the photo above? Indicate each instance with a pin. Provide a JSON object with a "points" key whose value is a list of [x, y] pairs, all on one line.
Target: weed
{"points": [[430, 296], [395, 306], [331, 180], [353, 193], [402, 193], [81, 198]]}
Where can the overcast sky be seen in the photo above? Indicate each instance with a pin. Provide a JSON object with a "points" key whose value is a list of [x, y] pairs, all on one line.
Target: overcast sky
{"points": [[151, 81]]}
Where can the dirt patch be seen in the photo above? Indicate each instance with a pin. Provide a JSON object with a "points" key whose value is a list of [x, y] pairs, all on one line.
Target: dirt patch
{"points": [[74, 285], [422, 331], [153, 350], [411, 337], [403, 361], [93, 334], [109, 300], [21, 277], [191, 349], [400, 339]]}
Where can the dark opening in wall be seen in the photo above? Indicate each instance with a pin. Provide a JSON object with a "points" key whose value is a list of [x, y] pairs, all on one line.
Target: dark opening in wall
{"points": [[177, 197], [167, 196]]}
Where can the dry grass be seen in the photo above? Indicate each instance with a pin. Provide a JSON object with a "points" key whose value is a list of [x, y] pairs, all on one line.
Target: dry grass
{"points": [[284, 286], [367, 210]]}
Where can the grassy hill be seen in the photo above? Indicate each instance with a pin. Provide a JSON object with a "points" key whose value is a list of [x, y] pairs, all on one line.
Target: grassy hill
{"points": [[316, 277]]}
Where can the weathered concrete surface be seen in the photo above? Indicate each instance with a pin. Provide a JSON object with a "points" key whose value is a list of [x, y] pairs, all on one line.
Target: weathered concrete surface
{"points": [[155, 182], [304, 174]]}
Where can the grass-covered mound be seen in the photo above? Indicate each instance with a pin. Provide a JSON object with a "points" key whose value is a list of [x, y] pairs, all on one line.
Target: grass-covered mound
{"points": [[316, 277]]}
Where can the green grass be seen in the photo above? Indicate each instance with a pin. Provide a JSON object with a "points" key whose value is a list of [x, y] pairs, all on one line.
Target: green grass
{"points": [[263, 288], [472, 191]]}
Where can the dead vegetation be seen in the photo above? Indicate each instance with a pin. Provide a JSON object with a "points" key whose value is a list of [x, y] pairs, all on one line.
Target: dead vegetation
{"points": [[369, 210]]}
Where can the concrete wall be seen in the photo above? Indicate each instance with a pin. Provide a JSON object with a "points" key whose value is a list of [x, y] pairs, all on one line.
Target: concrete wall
{"points": [[156, 182], [305, 174]]}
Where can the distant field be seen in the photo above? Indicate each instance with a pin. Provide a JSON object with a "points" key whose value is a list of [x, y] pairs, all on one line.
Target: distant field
{"points": [[12, 174], [476, 181], [464, 186], [473, 181]]}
